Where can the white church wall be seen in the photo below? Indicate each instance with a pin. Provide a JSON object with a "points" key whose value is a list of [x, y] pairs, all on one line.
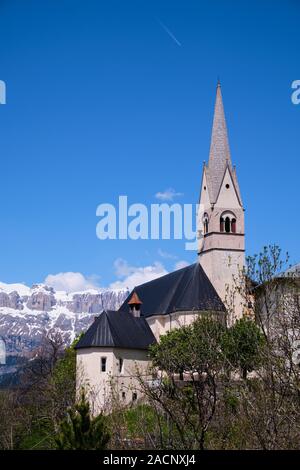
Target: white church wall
{"points": [[120, 379], [92, 378], [224, 268], [161, 324]]}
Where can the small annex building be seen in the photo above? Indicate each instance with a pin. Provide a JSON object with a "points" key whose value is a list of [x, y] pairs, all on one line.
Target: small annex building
{"points": [[109, 355]]}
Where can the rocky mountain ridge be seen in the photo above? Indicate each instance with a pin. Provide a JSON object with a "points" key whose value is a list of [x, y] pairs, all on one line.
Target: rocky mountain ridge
{"points": [[27, 314]]}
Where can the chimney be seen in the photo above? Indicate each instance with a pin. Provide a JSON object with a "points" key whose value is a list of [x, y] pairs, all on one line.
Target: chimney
{"points": [[135, 305]]}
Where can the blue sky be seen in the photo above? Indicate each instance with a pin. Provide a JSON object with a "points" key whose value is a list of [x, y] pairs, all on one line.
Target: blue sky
{"points": [[116, 97]]}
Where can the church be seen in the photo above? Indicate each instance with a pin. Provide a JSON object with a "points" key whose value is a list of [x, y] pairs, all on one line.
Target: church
{"points": [[116, 345]]}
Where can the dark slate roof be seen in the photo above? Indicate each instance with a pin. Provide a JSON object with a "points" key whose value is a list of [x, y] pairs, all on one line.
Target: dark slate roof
{"points": [[187, 289], [117, 330]]}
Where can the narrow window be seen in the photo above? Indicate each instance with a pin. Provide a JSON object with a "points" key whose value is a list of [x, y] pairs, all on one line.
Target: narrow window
{"points": [[205, 226], [103, 364], [205, 223], [123, 395], [233, 225], [227, 225], [120, 365], [221, 224], [134, 396]]}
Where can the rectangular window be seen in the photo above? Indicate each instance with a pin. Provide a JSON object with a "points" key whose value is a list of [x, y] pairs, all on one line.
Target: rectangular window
{"points": [[103, 364], [123, 395], [134, 396], [120, 365]]}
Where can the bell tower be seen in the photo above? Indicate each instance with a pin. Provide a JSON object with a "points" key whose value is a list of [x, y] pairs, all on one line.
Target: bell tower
{"points": [[221, 250]]}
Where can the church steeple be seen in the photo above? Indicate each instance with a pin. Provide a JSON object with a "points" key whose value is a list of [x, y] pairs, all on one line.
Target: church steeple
{"points": [[219, 147], [219, 154], [221, 213]]}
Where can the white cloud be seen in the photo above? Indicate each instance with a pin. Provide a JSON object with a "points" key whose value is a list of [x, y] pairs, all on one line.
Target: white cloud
{"points": [[122, 268], [71, 282], [168, 195], [131, 276], [166, 255], [181, 264], [128, 276]]}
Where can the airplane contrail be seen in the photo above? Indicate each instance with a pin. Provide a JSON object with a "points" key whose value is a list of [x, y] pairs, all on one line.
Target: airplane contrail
{"points": [[168, 32]]}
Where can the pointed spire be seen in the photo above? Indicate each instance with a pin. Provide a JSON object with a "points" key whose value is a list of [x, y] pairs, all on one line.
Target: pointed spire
{"points": [[219, 155], [219, 147]]}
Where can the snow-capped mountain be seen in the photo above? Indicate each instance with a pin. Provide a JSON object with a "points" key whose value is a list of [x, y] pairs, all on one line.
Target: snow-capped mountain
{"points": [[27, 313]]}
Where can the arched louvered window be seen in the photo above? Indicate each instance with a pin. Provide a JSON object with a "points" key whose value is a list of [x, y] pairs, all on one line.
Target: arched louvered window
{"points": [[233, 225], [228, 222], [227, 225]]}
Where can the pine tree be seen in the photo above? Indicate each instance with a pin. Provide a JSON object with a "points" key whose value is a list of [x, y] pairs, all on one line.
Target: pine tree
{"points": [[80, 431]]}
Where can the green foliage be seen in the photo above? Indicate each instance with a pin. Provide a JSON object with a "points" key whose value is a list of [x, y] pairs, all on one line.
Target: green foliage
{"points": [[265, 266], [206, 345], [133, 418], [172, 351], [190, 348], [34, 412], [79, 431], [189, 404], [38, 439], [63, 379], [243, 345], [231, 401], [207, 336], [141, 427]]}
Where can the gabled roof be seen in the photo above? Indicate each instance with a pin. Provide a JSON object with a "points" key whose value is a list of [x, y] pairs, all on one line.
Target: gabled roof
{"points": [[187, 289], [233, 177], [117, 330]]}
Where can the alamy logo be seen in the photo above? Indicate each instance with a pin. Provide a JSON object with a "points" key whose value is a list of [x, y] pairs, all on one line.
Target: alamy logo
{"points": [[2, 92], [296, 94], [159, 221]]}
